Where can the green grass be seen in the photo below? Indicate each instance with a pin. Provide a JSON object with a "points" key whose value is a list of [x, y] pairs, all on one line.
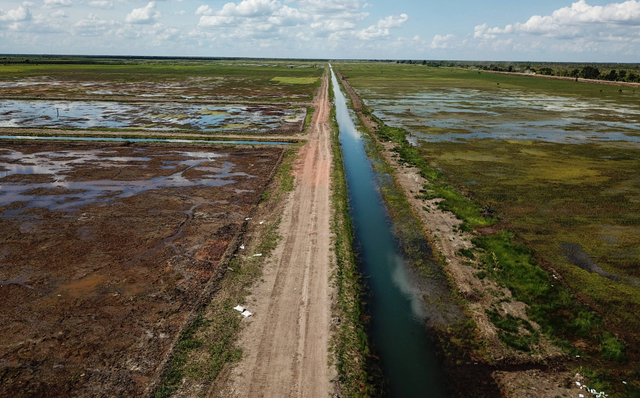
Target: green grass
{"points": [[294, 80], [214, 79], [394, 80]]}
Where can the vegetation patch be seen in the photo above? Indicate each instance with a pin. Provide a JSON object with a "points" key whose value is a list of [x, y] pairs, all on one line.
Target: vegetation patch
{"points": [[294, 80]]}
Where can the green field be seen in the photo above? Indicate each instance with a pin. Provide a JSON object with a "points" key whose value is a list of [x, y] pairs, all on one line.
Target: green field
{"points": [[545, 174], [210, 80]]}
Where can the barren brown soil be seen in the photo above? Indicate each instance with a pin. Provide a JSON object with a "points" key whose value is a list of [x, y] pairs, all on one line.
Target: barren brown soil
{"points": [[93, 295], [286, 342]]}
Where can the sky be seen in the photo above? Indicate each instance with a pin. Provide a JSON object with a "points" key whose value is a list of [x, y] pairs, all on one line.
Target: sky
{"points": [[496, 30]]}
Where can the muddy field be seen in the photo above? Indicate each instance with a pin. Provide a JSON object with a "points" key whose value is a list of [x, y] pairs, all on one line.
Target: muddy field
{"points": [[105, 250], [161, 116]]}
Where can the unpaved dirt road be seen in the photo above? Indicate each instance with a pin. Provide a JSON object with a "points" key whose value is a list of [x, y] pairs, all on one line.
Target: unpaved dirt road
{"points": [[285, 344]]}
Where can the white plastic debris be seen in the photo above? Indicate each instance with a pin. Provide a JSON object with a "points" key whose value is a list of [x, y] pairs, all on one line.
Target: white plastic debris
{"points": [[624, 382], [261, 222], [257, 255], [246, 314], [578, 383], [242, 247], [247, 219], [581, 395], [239, 308]]}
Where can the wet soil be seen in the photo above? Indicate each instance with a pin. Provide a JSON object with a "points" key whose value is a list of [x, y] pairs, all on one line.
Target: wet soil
{"points": [[93, 294]]}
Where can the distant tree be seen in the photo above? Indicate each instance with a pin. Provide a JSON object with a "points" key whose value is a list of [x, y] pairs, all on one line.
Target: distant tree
{"points": [[590, 72], [632, 77], [546, 71], [424, 62], [510, 68], [575, 73], [622, 74], [612, 75]]}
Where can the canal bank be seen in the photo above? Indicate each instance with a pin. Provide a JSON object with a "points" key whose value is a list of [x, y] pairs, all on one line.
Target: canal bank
{"points": [[398, 311]]}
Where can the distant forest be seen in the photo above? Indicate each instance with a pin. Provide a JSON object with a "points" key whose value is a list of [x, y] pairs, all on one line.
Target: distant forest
{"points": [[599, 71]]}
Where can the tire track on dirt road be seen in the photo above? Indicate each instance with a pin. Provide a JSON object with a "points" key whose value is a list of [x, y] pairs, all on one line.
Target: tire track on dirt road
{"points": [[285, 345]]}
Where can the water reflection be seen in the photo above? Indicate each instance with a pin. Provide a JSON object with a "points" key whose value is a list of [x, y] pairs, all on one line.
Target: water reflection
{"points": [[63, 179]]}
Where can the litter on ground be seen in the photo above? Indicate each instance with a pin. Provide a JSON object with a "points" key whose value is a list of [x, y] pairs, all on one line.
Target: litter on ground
{"points": [[242, 247], [257, 255], [261, 222], [246, 314], [239, 308]]}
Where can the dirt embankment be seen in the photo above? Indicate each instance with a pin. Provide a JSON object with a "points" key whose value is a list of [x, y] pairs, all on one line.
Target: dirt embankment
{"points": [[285, 344], [514, 372], [16, 131], [96, 293]]}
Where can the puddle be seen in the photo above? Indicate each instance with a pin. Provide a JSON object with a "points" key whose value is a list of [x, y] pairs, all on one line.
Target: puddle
{"points": [[454, 114], [62, 180], [146, 116]]}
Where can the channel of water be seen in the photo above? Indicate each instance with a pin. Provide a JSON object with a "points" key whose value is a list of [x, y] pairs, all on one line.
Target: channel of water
{"points": [[118, 139], [397, 328]]}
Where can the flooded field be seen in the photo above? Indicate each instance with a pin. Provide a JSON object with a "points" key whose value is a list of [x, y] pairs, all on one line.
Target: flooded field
{"points": [[106, 249], [552, 165], [444, 114], [151, 116]]}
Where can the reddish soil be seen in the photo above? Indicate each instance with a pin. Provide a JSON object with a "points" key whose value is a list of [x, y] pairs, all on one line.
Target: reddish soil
{"points": [[93, 297]]}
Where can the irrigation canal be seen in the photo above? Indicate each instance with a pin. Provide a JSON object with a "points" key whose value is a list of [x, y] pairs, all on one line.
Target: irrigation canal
{"points": [[397, 328]]}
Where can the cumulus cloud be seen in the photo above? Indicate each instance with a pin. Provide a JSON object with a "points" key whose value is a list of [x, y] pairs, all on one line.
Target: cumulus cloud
{"points": [[204, 10], [59, 14], [20, 14], [446, 41], [104, 4], [144, 15], [93, 25], [381, 29], [579, 20], [57, 3]]}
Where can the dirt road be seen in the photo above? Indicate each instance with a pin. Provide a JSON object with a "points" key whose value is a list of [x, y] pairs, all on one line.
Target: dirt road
{"points": [[285, 344]]}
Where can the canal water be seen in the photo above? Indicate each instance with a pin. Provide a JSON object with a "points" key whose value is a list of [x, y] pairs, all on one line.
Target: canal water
{"points": [[398, 329]]}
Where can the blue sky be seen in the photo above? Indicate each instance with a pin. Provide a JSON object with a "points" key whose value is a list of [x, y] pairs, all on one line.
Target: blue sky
{"points": [[544, 30]]}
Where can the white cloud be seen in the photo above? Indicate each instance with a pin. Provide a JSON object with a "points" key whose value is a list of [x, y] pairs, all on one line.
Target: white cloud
{"points": [[104, 4], [144, 15], [20, 14], [442, 42], [204, 10], [59, 14], [28, 4], [93, 25], [381, 29], [57, 3], [579, 20], [392, 21]]}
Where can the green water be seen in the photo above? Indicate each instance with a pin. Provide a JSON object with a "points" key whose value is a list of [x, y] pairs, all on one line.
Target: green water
{"points": [[397, 329]]}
